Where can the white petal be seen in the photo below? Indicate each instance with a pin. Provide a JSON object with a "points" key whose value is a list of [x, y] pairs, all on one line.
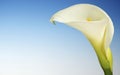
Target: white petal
{"points": [[89, 19], [79, 12], [94, 31], [110, 33]]}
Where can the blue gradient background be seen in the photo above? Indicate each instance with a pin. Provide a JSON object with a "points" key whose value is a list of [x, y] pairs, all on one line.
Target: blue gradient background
{"points": [[31, 45]]}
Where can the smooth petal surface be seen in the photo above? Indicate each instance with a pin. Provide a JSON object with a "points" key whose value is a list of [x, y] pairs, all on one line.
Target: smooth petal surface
{"points": [[95, 24], [89, 19]]}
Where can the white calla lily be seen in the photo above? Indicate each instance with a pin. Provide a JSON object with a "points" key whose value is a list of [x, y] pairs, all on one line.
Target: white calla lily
{"points": [[95, 24]]}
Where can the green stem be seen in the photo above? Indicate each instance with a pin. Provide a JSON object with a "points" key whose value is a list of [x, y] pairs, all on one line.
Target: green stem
{"points": [[108, 72]]}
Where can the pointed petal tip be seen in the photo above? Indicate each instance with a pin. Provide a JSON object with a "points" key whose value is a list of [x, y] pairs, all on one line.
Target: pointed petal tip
{"points": [[52, 21]]}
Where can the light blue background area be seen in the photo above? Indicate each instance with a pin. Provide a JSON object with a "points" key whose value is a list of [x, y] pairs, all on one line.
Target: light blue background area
{"points": [[31, 45]]}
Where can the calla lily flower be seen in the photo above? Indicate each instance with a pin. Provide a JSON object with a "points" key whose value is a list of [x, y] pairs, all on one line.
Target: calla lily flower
{"points": [[96, 25]]}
